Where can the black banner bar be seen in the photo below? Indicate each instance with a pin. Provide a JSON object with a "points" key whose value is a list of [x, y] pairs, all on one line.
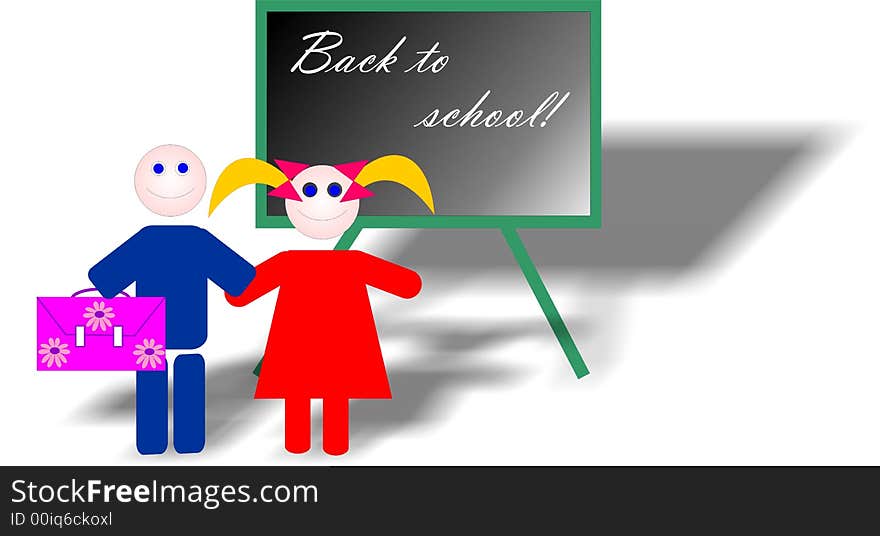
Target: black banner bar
{"points": [[425, 499]]}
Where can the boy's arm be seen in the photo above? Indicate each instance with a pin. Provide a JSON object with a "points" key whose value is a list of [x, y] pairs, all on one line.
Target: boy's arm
{"points": [[266, 280], [227, 269], [117, 270]]}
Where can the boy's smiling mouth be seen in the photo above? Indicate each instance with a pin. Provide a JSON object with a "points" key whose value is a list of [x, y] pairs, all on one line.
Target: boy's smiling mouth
{"points": [[171, 196]]}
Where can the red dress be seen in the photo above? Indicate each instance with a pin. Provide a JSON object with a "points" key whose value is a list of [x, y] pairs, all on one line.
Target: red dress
{"points": [[323, 340]]}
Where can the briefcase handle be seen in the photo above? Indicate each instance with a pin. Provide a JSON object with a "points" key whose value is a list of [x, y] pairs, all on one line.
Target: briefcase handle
{"points": [[83, 291]]}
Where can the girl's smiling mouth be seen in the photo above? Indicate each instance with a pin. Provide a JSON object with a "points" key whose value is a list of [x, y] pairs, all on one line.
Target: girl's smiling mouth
{"points": [[341, 214]]}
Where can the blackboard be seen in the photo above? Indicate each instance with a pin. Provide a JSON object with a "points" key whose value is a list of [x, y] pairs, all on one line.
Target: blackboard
{"points": [[533, 163]]}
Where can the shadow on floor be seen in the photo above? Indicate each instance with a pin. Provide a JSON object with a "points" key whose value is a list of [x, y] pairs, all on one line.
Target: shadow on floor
{"points": [[673, 202], [422, 395], [229, 391]]}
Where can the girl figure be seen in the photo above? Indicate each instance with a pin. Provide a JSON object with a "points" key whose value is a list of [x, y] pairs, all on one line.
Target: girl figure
{"points": [[323, 341]]}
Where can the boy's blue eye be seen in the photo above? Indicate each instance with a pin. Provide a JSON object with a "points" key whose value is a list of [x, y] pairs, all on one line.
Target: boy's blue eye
{"points": [[309, 189], [335, 190], [182, 168], [158, 168]]}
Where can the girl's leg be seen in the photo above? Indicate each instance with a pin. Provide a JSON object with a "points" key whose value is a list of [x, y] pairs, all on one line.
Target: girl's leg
{"points": [[297, 424], [336, 426]]}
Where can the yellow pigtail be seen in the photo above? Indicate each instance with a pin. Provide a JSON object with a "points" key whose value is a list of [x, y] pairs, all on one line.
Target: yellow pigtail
{"points": [[243, 172], [399, 169]]}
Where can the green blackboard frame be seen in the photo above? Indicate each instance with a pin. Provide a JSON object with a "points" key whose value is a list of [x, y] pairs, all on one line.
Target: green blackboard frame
{"points": [[586, 221], [508, 225]]}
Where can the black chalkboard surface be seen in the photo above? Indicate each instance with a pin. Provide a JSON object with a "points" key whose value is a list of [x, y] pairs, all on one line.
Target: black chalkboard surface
{"points": [[499, 108]]}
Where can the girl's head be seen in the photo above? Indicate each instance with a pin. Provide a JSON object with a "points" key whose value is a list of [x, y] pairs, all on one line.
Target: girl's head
{"points": [[319, 201], [322, 201]]}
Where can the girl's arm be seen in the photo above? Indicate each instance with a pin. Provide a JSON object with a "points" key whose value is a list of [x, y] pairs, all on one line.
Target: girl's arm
{"points": [[267, 279], [388, 276]]}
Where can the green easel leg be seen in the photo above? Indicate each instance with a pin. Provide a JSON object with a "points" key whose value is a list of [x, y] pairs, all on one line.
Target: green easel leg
{"points": [[345, 242], [348, 237], [546, 302]]}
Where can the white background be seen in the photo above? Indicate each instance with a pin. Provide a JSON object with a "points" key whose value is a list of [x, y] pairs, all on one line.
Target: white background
{"points": [[760, 348]]}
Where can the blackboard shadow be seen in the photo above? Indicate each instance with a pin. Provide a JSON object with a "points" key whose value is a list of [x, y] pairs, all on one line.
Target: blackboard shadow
{"points": [[674, 199], [677, 203], [681, 200]]}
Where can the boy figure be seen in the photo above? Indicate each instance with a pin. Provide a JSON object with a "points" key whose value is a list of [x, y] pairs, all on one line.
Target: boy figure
{"points": [[174, 262]]}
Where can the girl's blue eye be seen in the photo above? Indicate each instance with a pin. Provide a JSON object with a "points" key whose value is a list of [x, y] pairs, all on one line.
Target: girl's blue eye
{"points": [[182, 168], [309, 189], [335, 190], [158, 168]]}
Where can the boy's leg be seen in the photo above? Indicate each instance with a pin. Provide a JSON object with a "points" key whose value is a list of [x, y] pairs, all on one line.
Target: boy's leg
{"points": [[297, 424], [336, 426], [189, 403], [151, 408]]}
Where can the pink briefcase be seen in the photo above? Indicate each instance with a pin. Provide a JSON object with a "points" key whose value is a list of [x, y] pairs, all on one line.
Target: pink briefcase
{"points": [[81, 333]]}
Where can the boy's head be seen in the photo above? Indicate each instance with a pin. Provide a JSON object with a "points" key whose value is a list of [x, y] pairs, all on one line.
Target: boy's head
{"points": [[170, 180]]}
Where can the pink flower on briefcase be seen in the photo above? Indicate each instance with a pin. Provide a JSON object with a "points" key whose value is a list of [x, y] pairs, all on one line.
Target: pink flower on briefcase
{"points": [[101, 334]]}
